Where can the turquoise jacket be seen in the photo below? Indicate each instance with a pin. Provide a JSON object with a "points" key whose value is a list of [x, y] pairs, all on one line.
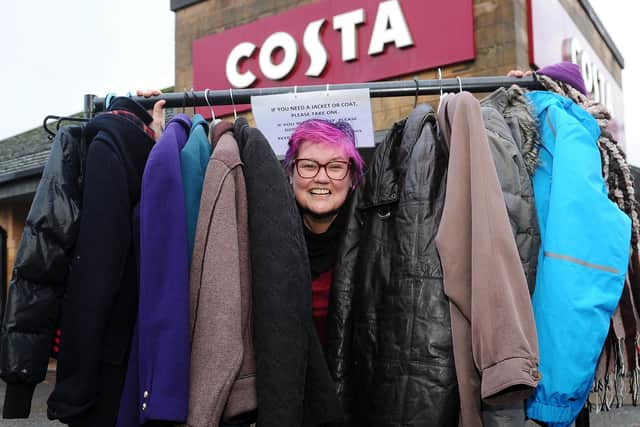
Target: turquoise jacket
{"points": [[194, 158], [582, 261]]}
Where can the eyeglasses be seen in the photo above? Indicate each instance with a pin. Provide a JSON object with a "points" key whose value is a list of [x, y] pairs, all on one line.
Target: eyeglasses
{"points": [[335, 169]]}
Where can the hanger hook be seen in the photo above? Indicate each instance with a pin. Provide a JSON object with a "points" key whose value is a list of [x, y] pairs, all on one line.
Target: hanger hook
{"points": [[415, 99], [235, 114], [440, 79], [295, 90], [327, 90], [206, 98], [459, 83]]}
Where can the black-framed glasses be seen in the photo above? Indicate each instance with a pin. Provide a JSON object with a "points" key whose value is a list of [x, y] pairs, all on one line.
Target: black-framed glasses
{"points": [[335, 169]]}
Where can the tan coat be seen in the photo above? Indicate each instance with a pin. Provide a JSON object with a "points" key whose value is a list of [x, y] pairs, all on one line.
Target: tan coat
{"points": [[222, 376], [495, 343]]}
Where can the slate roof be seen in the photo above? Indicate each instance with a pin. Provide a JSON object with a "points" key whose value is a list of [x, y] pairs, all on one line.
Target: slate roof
{"points": [[25, 153]]}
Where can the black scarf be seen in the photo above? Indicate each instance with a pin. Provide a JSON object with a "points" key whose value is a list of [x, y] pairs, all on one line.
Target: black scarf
{"points": [[323, 248]]}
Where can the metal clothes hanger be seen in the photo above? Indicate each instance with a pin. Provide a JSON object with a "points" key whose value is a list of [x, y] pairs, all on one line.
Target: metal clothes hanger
{"points": [[206, 98], [442, 94], [235, 113], [60, 119]]}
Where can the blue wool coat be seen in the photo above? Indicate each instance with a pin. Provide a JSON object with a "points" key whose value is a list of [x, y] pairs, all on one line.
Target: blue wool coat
{"points": [[157, 385], [582, 261], [194, 158]]}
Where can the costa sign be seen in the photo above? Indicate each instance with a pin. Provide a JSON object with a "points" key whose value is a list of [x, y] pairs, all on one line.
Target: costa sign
{"points": [[390, 26], [333, 41]]}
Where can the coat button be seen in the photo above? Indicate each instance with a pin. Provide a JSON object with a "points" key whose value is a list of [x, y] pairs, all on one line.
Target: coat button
{"points": [[144, 406], [535, 374], [146, 394]]}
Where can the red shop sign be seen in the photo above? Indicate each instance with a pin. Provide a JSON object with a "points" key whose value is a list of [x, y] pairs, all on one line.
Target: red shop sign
{"points": [[337, 41]]}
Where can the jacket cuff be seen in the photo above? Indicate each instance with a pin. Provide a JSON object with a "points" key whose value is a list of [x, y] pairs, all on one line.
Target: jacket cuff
{"points": [[242, 399], [509, 381], [548, 413], [17, 400]]}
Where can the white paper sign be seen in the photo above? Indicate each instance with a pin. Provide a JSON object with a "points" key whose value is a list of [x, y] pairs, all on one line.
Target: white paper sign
{"points": [[278, 115]]}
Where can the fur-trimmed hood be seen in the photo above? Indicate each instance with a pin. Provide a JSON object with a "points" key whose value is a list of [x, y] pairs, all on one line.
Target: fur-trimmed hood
{"points": [[518, 113]]}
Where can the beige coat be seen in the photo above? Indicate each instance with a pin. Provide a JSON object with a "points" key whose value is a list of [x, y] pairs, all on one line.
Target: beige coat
{"points": [[222, 377], [495, 343]]}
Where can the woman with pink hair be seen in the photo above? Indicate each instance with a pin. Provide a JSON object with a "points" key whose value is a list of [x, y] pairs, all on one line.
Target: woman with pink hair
{"points": [[324, 166]]}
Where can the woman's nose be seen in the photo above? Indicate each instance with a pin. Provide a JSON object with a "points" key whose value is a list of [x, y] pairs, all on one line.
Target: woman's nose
{"points": [[322, 175]]}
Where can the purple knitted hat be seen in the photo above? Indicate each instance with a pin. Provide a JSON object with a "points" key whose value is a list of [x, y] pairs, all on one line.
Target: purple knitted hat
{"points": [[566, 72]]}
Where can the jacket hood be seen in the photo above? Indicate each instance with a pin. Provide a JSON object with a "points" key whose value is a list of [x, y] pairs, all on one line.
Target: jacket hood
{"points": [[514, 106], [219, 129], [128, 104], [126, 138], [198, 120]]}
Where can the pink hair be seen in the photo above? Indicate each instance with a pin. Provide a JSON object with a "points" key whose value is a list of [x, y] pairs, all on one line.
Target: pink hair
{"points": [[320, 131]]}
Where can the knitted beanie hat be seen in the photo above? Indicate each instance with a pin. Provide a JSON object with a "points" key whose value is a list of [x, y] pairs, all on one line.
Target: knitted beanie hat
{"points": [[566, 72]]}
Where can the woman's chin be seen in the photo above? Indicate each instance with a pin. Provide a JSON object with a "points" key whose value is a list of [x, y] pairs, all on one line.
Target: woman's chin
{"points": [[321, 214]]}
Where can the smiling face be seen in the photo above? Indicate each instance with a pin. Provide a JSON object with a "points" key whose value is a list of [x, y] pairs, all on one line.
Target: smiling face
{"points": [[320, 195]]}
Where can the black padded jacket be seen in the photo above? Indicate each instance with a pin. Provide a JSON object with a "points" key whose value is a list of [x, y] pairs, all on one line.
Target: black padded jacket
{"points": [[389, 344], [40, 269]]}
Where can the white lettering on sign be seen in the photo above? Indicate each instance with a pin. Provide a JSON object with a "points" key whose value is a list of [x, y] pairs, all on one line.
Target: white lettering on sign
{"points": [[593, 77], [346, 23], [390, 26], [279, 40], [312, 43], [242, 50]]}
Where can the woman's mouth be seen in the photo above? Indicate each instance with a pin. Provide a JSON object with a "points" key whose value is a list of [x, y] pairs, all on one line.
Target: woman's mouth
{"points": [[320, 191]]}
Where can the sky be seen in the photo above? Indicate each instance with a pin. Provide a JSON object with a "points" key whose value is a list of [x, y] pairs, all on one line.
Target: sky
{"points": [[620, 19], [54, 52]]}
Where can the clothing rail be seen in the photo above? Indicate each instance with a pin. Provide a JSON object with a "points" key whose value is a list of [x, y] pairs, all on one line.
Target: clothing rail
{"points": [[93, 104]]}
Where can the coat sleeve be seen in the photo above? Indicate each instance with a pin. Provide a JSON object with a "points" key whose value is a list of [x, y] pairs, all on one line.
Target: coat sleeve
{"points": [[493, 331], [582, 265], [40, 269], [102, 249]]}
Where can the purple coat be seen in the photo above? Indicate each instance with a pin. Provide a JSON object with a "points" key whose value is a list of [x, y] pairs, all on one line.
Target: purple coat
{"points": [[157, 385]]}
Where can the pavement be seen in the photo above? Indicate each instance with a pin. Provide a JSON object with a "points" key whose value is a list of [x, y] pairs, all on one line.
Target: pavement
{"points": [[627, 416], [38, 405]]}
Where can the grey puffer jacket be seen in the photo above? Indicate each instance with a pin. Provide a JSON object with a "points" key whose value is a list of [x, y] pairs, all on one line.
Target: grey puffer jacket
{"points": [[510, 127], [389, 340]]}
